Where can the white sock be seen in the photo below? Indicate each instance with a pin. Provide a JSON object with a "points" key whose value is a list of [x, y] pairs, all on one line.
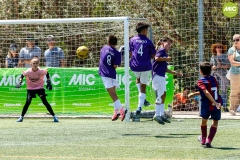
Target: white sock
{"points": [[161, 109], [157, 109], [138, 86], [141, 99], [117, 105]]}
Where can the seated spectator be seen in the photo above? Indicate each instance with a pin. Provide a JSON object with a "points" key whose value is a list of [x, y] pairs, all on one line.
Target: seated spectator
{"points": [[54, 56], [28, 52], [12, 57], [181, 101]]}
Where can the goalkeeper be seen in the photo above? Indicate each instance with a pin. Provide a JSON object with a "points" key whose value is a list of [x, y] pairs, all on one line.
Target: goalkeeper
{"points": [[35, 83]]}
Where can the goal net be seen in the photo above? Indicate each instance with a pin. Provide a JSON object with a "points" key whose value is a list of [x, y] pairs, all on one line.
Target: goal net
{"points": [[77, 87]]}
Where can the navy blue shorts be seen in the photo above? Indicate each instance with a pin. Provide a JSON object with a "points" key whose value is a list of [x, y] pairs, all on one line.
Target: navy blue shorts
{"points": [[215, 114]]}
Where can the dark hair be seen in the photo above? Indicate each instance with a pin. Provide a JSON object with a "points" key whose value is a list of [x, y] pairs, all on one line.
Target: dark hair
{"points": [[165, 39], [186, 88], [112, 40], [141, 25], [206, 68]]}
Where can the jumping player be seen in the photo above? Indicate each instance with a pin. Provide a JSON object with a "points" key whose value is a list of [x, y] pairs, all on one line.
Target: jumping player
{"points": [[110, 58], [159, 70], [35, 83], [142, 50], [211, 103]]}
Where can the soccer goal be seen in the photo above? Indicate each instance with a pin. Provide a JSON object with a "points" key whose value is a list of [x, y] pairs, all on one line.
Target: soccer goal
{"points": [[77, 88]]}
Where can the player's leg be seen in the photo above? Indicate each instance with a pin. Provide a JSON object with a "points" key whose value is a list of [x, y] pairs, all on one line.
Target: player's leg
{"points": [[203, 136], [110, 85], [143, 83], [25, 108], [216, 116], [42, 96], [159, 85], [138, 84]]}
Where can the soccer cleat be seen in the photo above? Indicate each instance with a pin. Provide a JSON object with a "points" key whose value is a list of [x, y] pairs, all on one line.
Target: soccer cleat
{"points": [[138, 111], [115, 116], [202, 141], [208, 145], [20, 119], [158, 119], [55, 119], [146, 103], [123, 113], [165, 119]]}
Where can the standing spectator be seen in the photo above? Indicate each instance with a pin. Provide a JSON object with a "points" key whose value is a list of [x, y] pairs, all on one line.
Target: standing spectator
{"points": [[142, 50], [28, 52], [220, 65], [12, 58], [54, 56], [234, 58]]}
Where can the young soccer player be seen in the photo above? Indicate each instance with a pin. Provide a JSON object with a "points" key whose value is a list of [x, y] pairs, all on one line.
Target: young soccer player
{"points": [[211, 103], [142, 50], [35, 83], [110, 58], [159, 70]]}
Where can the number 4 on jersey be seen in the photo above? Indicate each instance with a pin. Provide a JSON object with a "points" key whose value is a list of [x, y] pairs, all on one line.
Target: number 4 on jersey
{"points": [[140, 50]]}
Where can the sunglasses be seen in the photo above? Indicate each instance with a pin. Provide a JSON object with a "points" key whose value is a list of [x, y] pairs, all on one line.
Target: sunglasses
{"points": [[219, 47], [14, 49], [30, 40], [236, 40]]}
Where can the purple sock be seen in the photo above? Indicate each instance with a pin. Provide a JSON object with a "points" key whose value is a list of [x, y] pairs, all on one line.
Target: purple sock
{"points": [[212, 133]]}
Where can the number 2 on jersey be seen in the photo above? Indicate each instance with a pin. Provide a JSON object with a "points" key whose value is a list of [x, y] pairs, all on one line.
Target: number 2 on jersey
{"points": [[140, 50]]}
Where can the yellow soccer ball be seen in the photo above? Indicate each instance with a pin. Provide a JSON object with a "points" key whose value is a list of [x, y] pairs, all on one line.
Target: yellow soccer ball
{"points": [[82, 52]]}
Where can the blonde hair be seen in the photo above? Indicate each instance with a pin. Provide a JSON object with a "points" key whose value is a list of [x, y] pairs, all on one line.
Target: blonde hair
{"points": [[10, 55], [235, 35]]}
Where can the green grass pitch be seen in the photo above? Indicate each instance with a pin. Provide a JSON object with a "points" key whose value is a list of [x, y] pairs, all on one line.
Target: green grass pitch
{"points": [[103, 139]]}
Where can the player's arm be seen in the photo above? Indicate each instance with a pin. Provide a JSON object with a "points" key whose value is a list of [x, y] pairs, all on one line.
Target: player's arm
{"points": [[209, 96], [174, 72], [49, 84], [20, 81], [6, 64]]}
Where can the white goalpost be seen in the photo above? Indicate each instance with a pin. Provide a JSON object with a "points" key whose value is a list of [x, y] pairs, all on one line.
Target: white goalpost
{"points": [[77, 88]]}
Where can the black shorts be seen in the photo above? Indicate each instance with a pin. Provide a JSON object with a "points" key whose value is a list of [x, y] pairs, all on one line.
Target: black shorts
{"points": [[32, 93]]}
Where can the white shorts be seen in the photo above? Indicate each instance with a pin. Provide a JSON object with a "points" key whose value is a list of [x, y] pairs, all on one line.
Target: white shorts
{"points": [[109, 82], [144, 76], [159, 85]]}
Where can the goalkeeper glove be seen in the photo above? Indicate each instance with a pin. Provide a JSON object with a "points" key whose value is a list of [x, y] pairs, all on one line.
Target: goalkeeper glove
{"points": [[19, 84], [49, 85]]}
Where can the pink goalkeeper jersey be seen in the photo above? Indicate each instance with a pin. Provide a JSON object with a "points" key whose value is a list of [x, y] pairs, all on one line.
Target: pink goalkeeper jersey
{"points": [[35, 79]]}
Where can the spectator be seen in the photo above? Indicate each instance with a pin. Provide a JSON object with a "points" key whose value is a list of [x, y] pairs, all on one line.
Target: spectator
{"points": [[234, 58], [28, 52], [12, 58], [220, 65], [181, 101], [54, 56]]}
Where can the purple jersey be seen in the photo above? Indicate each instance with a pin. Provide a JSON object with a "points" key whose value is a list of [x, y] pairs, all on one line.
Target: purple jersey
{"points": [[210, 84], [160, 67], [109, 57], [142, 49]]}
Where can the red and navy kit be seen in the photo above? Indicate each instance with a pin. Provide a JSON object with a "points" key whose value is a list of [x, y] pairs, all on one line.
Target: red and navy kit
{"points": [[210, 84]]}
